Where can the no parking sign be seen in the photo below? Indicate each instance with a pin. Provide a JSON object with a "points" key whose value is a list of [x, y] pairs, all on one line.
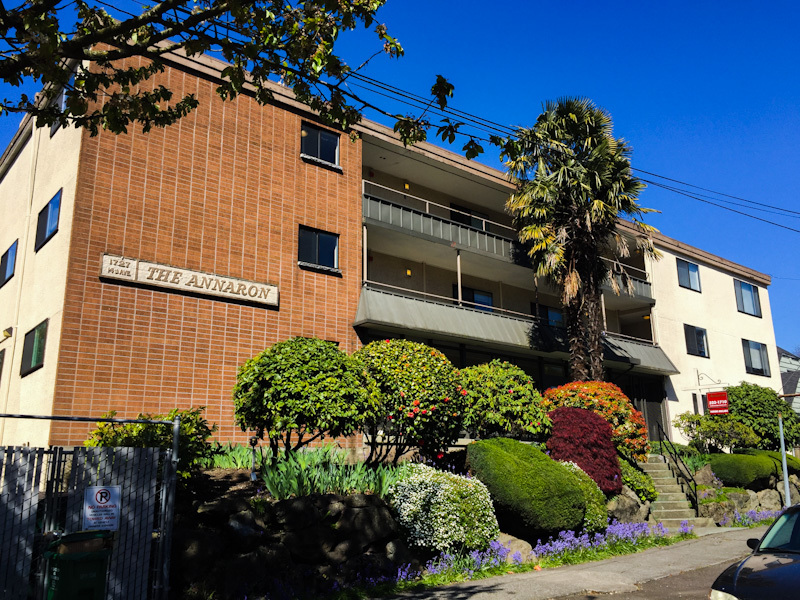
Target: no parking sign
{"points": [[101, 507]]}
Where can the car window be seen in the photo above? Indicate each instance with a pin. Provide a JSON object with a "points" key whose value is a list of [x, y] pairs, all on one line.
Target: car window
{"points": [[784, 534]]}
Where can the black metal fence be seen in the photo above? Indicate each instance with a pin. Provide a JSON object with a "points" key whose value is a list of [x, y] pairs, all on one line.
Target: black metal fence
{"points": [[45, 497]]}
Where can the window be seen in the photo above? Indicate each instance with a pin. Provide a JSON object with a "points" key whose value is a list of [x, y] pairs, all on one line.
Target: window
{"points": [[552, 316], [60, 101], [474, 298], [319, 144], [688, 275], [47, 225], [467, 216], [318, 249], [696, 340], [7, 264], [2, 360], [33, 349], [747, 298], [755, 358], [694, 404]]}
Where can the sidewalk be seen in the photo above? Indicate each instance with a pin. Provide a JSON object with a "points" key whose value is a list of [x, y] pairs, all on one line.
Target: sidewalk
{"points": [[618, 574]]}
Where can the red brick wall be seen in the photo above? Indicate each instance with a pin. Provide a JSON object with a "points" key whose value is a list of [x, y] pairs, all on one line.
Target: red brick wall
{"points": [[223, 191]]}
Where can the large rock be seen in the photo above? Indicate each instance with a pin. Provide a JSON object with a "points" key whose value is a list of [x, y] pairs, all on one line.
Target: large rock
{"points": [[704, 476], [769, 500], [625, 508], [794, 495], [740, 500], [516, 545], [720, 512]]}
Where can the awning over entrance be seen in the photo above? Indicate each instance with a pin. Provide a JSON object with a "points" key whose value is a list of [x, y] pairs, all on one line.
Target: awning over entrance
{"points": [[393, 312]]}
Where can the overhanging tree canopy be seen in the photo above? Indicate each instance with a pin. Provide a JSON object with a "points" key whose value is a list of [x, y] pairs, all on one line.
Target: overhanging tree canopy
{"points": [[78, 47], [574, 182]]}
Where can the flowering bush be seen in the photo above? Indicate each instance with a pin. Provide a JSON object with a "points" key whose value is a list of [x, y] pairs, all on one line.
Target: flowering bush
{"points": [[607, 400], [501, 400], [596, 516], [442, 511], [421, 403], [584, 438], [754, 518]]}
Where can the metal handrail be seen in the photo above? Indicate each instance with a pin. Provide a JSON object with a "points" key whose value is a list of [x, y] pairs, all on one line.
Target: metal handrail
{"points": [[683, 470]]}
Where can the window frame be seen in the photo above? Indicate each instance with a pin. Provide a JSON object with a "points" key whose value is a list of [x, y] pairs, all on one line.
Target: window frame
{"points": [[688, 265], [316, 264], [30, 352], [690, 333], [44, 232], [739, 292], [5, 261], [307, 129], [468, 297], [747, 350]]}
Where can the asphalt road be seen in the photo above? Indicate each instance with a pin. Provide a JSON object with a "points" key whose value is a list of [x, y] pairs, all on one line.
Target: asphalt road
{"points": [[687, 585]]}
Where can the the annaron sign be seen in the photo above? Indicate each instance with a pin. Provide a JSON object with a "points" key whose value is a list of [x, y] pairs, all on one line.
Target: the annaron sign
{"points": [[184, 280], [717, 403]]}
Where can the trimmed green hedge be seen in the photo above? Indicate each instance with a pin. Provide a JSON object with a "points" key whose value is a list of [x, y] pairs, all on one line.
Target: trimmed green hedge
{"points": [[744, 470], [792, 464], [596, 517], [533, 494]]}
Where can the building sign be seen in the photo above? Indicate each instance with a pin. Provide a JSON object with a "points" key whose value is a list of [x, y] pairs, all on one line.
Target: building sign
{"points": [[101, 507], [717, 403], [148, 273]]}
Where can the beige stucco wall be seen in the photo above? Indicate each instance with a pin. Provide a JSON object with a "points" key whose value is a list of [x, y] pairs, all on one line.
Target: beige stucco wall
{"points": [[44, 165], [713, 309]]}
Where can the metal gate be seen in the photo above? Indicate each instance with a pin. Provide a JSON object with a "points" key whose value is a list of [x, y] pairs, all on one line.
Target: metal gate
{"points": [[42, 498]]}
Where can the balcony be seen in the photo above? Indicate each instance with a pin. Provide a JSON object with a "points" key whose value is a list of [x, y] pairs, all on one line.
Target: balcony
{"points": [[393, 309]]}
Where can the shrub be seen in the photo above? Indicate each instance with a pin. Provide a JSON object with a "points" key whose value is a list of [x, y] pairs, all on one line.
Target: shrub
{"points": [[638, 481], [758, 408], [714, 432], [298, 391], [742, 470], [194, 448], [532, 493], [792, 464], [608, 401], [420, 403], [501, 400], [442, 511], [596, 516], [583, 437]]}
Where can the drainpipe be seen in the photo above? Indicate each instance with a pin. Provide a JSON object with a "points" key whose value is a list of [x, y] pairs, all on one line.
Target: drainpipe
{"points": [[458, 275]]}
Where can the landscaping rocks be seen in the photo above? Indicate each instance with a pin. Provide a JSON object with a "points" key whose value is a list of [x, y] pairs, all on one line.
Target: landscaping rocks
{"points": [[517, 545], [627, 508], [704, 476]]}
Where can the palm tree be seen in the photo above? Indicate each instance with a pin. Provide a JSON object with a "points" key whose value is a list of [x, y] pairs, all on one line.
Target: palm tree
{"points": [[573, 182]]}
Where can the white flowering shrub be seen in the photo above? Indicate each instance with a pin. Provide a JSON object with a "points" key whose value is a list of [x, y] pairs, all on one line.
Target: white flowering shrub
{"points": [[596, 516], [442, 511]]}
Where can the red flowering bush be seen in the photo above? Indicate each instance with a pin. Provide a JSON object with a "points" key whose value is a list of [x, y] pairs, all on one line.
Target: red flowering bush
{"points": [[501, 400], [420, 402], [584, 438], [629, 432]]}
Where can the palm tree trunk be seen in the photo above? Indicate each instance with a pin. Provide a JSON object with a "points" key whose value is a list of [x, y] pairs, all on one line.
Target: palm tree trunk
{"points": [[594, 331], [576, 335]]}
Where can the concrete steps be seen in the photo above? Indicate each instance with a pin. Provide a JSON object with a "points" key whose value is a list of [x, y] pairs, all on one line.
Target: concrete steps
{"points": [[672, 507]]}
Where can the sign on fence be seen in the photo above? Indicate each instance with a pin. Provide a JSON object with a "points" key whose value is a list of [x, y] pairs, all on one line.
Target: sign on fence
{"points": [[101, 507]]}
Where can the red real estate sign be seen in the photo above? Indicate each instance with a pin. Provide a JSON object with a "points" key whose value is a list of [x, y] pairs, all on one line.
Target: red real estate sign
{"points": [[717, 403]]}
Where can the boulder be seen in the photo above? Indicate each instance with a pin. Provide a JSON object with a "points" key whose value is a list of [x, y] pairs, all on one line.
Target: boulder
{"points": [[769, 500], [623, 508], [720, 512], [516, 545], [794, 496], [740, 500], [704, 476]]}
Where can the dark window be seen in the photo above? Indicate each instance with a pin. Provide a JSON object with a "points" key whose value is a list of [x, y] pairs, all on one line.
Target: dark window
{"points": [[47, 225], [33, 348], [318, 248], [2, 360], [747, 298], [552, 316], [467, 216], [474, 298], [688, 275], [694, 403], [755, 358], [696, 340], [7, 264], [319, 144], [60, 102], [704, 399]]}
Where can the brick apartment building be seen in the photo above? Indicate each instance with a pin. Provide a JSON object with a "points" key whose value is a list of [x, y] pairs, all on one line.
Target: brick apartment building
{"points": [[139, 271]]}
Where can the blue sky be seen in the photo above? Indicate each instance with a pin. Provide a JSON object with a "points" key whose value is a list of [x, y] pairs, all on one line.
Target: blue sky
{"points": [[705, 92]]}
